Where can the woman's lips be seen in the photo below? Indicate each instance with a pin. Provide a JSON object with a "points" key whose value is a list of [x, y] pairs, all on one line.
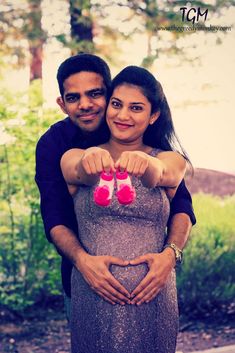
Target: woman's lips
{"points": [[122, 126]]}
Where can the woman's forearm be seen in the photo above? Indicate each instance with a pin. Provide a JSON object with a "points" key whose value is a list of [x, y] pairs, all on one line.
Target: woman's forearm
{"points": [[166, 171], [73, 169]]}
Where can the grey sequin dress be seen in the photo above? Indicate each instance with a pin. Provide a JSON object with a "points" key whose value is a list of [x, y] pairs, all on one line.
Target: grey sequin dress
{"points": [[126, 232]]}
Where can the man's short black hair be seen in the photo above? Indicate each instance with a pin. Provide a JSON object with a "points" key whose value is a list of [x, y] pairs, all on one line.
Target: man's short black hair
{"points": [[83, 62]]}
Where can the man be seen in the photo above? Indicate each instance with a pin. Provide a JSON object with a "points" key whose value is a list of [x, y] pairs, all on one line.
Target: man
{"points": [[84, 82]]}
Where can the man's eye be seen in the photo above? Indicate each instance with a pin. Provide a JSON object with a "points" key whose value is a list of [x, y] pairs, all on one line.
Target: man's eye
{"points": [[96, 94], [71, 99], [115, 104]]}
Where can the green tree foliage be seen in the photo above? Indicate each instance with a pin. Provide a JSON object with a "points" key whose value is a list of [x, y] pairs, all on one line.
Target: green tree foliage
{"points": [[29, 266]]}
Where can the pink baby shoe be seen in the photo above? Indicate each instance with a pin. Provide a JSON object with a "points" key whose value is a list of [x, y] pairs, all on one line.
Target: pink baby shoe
{"points": [[104, 191], [125, 191]]}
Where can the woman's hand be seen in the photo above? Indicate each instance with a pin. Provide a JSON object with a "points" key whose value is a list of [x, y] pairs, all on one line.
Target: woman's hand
{"points": [[95, 271], [84, 166], [134, 162], [96, 159], [160, 266]]}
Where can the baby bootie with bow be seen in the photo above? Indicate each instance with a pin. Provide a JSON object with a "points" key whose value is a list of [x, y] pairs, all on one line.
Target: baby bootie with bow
{"points": [[125, 191], [104, 191]]}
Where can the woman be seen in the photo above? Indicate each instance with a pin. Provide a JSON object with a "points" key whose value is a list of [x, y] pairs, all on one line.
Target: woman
{"points": [[141, 143]]}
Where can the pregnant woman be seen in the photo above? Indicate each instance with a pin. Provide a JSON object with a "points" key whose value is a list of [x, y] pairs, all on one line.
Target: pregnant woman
{"points": [[141, 143]]}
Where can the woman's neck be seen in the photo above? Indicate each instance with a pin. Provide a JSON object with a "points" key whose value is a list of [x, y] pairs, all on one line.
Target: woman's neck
{"points": [[116, 148]]}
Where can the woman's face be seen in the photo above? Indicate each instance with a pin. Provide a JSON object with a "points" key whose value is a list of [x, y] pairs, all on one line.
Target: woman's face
{"points": [[129, 113]]}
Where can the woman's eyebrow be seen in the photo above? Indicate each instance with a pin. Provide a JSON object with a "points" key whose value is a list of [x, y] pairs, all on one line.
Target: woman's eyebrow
{"points": [[129, 103], [116, 98], [137, 103], [119, 100]]}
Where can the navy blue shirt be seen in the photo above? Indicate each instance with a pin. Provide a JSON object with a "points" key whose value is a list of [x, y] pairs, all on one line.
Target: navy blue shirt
{"points": [[56, 202]]}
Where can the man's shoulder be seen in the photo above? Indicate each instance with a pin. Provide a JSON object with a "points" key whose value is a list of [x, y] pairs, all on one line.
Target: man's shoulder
{"points": [[60, 132], [55, 129]]}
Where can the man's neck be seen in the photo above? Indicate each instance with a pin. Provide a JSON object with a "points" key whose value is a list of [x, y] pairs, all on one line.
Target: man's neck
{"points": [[95, 138]]}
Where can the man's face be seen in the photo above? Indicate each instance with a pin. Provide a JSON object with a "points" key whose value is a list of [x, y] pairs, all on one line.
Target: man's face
{"points": [[84, 100]]}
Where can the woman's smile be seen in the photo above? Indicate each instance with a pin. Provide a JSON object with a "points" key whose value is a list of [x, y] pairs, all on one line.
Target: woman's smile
{"points": [[122, 126]]}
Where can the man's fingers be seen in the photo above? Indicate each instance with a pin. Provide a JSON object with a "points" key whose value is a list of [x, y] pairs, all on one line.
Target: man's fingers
{"points": [[141, 287], [119, 287], [113, 291], [105, 297], [148, 297], [115, 295], [151, 295], [144, 292], [139, 260], [113, 260]]}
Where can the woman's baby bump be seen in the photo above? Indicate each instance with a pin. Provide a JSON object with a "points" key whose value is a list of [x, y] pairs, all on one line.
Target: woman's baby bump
{"points": [[129, 276]]}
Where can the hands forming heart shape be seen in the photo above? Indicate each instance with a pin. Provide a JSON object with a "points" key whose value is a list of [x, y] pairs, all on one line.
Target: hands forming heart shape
{"points": [[96, 272]]}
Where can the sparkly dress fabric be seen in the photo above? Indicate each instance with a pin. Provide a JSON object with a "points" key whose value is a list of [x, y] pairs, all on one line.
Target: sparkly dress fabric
{"points": [[126, 232]]}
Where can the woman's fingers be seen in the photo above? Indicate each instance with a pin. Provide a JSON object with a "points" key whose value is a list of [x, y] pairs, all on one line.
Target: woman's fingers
{"points": [[107, 164], [96, 159], [134, 162]]}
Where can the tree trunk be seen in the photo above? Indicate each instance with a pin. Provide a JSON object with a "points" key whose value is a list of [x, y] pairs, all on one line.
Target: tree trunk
{"points": [[36, 62], [36, 38]]}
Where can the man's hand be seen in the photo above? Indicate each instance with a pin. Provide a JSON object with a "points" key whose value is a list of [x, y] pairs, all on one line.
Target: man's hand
{"points": [[95, 271], [160, 266], [96, 159]]}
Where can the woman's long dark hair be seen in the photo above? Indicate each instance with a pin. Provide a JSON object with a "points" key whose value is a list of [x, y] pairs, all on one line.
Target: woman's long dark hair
{"points": [[161, 134]]}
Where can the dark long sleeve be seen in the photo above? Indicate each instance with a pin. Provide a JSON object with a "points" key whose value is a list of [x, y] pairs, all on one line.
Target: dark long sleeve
{"points": [[56, 202], [182, 203]]}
